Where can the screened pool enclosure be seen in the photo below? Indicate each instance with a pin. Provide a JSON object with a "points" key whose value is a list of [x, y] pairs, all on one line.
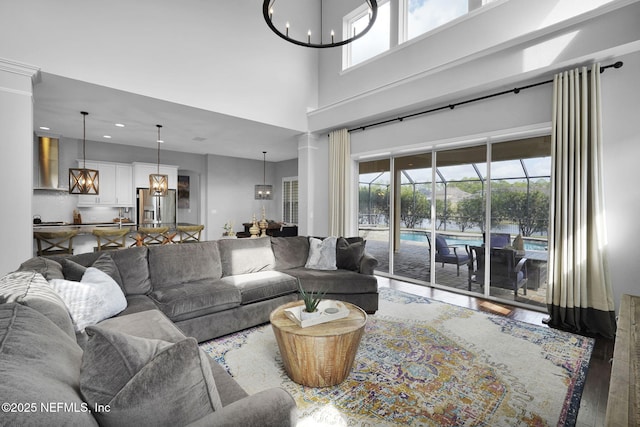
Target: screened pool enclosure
{"points": [[496, 193]]}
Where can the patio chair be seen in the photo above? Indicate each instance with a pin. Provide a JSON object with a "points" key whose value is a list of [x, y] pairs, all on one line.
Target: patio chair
{"points": [[508, 271], [446, 254], [498, 240]]}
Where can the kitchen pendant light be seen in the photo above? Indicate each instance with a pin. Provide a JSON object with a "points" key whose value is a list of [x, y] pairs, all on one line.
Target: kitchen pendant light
{"points": [[263, 191], [83, 180], [303, 36], [158, 183]]}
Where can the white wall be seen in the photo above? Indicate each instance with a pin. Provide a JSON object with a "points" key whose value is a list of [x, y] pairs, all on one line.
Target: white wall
{"points": [[16, 130], [215, 55], [514, 41], [230, 193], [621, 113]]}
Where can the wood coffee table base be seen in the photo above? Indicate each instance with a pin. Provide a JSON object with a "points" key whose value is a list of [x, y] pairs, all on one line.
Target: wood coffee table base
{"points": [[320, 355]]}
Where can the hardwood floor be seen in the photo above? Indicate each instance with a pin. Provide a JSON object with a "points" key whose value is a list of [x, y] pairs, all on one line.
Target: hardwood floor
{"points": [[594, 396]]}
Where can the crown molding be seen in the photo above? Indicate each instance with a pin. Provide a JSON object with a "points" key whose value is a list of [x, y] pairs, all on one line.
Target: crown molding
{"points": [[15, 67]]}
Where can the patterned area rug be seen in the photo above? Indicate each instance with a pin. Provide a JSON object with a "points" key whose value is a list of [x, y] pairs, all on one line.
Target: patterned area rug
{"points": [[426, 363]]}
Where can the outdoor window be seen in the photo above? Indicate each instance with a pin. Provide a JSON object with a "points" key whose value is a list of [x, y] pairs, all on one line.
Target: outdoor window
{"points": [[290, 200], [375, 41], [415, 17], [421, 16]]}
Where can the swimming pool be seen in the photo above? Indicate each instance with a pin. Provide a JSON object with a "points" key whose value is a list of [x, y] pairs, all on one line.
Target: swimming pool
{"points": [[420, 236]]}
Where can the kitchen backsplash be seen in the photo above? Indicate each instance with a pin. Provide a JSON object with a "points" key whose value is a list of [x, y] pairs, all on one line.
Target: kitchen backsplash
{"points": [[53, 206]]}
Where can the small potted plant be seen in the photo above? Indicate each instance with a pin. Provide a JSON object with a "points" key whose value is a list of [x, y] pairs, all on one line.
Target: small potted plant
{"points": [[311, 301]]}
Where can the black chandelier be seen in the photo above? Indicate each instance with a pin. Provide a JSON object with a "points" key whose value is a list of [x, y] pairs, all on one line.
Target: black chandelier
{"points": [[268, 11]]}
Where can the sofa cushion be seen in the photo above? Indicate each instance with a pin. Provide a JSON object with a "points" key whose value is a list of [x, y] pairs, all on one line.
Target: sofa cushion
{"points": [[349, 253], [40, 365], [143, 381], [263, 285], [174, 264], [49, 268], [189, 300], [290, 252], [32, 290], [134, 270], [334, 281], [322, 253], [242, 256], [96, 297]]}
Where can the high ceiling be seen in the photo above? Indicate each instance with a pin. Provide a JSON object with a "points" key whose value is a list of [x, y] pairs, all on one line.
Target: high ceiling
{"points": [[59, 100]]}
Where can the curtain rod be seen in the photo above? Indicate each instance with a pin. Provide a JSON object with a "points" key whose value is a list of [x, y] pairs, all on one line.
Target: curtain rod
{"points": [[480, 98]]}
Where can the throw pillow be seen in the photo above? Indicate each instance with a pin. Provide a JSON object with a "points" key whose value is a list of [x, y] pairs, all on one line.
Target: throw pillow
{"points": [[348, 255], [106, 264], [32, 290], [146, 381], [96, 297], [49, 268], [322, 254], [72, 270]]}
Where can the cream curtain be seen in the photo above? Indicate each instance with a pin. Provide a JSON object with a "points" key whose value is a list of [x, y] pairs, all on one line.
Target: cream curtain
{"points": [[579, 295], [339, 185]]}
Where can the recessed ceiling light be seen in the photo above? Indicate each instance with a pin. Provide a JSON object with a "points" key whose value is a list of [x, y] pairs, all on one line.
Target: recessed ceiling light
{"points": [[44, 128], [107, 136], [120, 125]]}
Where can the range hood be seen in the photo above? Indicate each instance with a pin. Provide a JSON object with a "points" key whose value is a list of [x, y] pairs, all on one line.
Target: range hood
{"points": [[48, 164]]}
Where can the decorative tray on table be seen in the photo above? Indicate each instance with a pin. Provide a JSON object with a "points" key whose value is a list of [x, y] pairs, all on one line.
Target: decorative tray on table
{"points": [[329, 310]]}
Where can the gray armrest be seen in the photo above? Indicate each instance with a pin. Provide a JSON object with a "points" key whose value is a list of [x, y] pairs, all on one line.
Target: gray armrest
{"points": [[274, 407], [367, 264]]}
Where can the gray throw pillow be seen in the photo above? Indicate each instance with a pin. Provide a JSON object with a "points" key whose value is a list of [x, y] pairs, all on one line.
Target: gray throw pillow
{"points": [[348, 255], [142, 381], [49, 268], [72, 270], [106, 264]]}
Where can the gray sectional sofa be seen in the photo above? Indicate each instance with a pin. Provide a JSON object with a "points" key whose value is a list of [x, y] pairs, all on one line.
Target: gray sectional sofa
{"points": [[143, 365]]}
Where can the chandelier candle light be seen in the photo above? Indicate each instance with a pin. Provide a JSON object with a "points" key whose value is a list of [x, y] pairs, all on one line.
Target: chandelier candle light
{"points": [[268, 14], [158, 183], [83, 180]]}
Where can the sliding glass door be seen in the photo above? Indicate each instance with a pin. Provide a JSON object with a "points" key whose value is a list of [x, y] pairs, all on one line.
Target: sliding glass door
{"points": [[374, 214], [441, 214], [460, 195]]}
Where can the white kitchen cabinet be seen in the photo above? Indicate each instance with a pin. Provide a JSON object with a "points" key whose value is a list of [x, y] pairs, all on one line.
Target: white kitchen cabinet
{"points": [[124, 185], [115, 185], [141, 172]]}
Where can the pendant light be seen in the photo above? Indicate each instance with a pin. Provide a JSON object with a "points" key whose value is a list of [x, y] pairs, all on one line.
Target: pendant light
{"points": [[158, 183], [83, 180], [263, 191]]}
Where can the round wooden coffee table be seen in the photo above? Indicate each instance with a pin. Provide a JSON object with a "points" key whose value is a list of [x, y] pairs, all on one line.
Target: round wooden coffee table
{"points": [[320, 355]]}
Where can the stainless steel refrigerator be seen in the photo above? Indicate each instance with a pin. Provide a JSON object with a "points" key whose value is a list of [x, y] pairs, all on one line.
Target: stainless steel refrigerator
{"points": [[156, 209]]}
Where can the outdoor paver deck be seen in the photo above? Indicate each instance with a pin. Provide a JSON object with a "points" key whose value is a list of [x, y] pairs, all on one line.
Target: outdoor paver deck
{"points": [[412, 261]]}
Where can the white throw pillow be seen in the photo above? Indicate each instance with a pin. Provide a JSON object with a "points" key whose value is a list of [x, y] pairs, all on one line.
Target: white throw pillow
{"points": [[322, 254], [94, 298]]}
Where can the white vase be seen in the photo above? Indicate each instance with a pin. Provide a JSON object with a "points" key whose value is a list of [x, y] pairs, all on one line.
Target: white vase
{"points": [[304, 315]]}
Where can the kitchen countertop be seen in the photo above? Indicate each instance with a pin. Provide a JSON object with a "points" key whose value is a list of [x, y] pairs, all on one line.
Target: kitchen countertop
{"points": [[82, 228]]}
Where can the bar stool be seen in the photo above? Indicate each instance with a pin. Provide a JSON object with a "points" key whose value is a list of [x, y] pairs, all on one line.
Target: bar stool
{"points": [[190, 233], [54, 242], [154, 236], [113, 238]]}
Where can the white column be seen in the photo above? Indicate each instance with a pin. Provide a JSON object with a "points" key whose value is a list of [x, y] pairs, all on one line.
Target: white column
{"points": [[16, 173], [307, 159]]}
